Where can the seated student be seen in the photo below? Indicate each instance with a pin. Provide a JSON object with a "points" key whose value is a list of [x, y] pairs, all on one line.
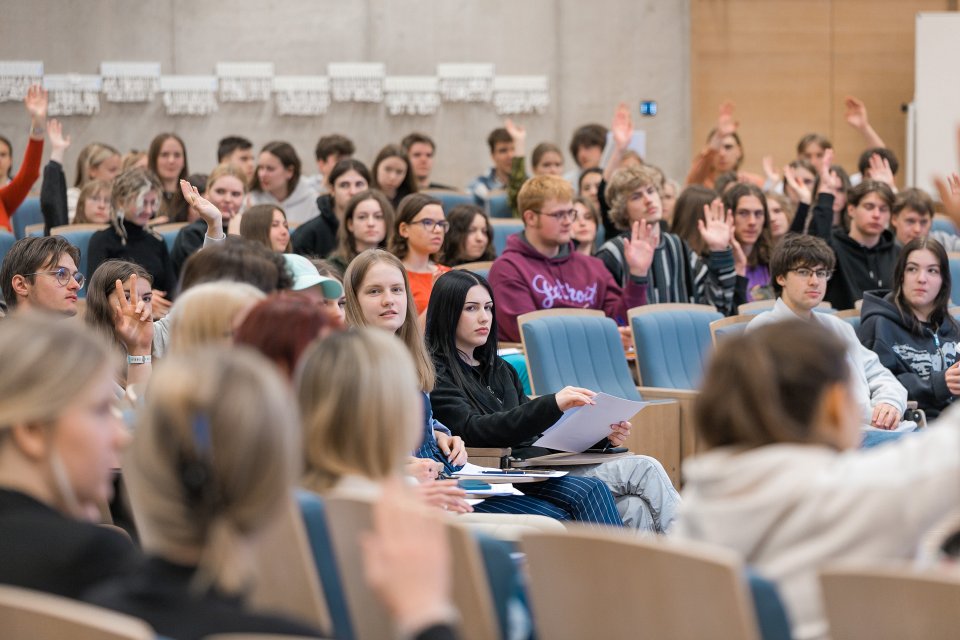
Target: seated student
{"points": [[585, 227], [96, 161], [53, 190], [197, 502], [724, 152], [469, 238], [781, 482], [751, 229], [302, 325], [811, 148], [878, 163], [135, 199], [41, 274], [224, 190], [911, 217], [93, 204], [865, 247], [318, 237], [502, 153], [540, 270], [799, 270], [911, 330], [417, 240], [329, 151], [479, 395], [420, 149], [378, 296], [547, 159], [367, 224], [277, 182], [781, 213], [586, 149], [118, 307], [209, 313], [267, 225], [14, 192], [167, 159], [392, 174], [589, 185], [237, 152], [60, 442]]}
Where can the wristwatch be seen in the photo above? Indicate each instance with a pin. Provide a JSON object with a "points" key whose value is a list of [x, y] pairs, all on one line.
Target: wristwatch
{"points": [[139, 359]]}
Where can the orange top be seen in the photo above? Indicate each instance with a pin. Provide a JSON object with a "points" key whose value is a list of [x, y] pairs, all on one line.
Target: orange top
{"points": [[421, 284], [13, 195]]}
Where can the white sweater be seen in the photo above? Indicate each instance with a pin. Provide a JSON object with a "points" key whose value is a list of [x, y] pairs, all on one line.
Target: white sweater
{"points": [[789, 508]]}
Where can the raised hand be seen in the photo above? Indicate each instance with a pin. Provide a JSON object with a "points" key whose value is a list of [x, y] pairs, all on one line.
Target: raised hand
{"points": [[802, 190], [739, 256], [519, 136], [638, 249], [880, 170], [133, 322], [726, 125], [829, 180], [855, 113], [36, 103], [769, 169], [715, 227], [198, 204], [58, 141], [622, 126], [949, 191]]}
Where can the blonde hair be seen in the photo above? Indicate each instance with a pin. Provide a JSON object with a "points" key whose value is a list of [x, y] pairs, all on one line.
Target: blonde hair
{"points": [[131, 185], [91, 157], [89, 190], [537, 190], [226, 169], [47, 364], [623, 183], [410, 333], [216, 451], [208, 313], [366, 419]]}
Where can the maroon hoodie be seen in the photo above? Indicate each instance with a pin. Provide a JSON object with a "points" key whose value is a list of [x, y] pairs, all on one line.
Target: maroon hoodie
{"points": [[524, 280]]}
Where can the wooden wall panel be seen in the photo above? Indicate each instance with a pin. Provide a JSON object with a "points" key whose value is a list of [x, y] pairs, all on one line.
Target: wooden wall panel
{"points": [[788, 64]]}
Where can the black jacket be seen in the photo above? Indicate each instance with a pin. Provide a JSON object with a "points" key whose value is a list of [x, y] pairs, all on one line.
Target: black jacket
{"points": [[44, 550], [918, 361], [502, 416], [318, 236], [189, 240], [159, 592]]}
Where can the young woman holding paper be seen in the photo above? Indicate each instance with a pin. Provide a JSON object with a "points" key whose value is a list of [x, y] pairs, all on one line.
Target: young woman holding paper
{"points": [[478, 395]]}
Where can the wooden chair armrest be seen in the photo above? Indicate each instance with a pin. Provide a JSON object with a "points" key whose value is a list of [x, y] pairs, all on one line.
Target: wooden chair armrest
{"points": [[495, 457], [689, 441]]}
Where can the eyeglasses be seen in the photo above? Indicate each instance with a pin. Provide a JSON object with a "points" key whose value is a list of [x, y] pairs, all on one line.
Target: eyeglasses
{"points": [[63, 276], [822, 274], [564, 214], [429, 224]]}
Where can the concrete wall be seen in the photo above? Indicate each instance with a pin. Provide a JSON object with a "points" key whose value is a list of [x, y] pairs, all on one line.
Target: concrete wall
{"points": [[595, 54]]}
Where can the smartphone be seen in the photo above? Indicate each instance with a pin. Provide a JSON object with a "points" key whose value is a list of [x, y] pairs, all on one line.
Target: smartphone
{"points": [[648, 108]]}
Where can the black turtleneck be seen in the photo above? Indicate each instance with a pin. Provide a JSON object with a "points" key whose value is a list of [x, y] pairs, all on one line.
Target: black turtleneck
{"points": [[141, 247]]}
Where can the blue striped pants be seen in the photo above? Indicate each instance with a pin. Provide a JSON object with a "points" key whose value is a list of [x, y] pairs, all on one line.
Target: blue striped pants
{"points": [[576, 498]]}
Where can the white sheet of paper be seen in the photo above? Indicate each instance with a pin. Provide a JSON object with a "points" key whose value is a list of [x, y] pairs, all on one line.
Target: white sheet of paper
{"points": [[477, 472], [581, 427]]}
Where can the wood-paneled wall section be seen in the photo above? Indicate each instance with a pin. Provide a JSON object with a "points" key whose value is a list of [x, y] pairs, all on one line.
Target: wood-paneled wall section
{"points": [[788, 65]]}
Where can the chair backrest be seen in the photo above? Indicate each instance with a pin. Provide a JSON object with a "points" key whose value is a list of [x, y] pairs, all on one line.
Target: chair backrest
{"points": [[6, 243], [672, 343], [26, 214], [502, 228], [347, 520], [850, 316], [769, 608], [955, 277], [26, 614], [314, 514], [943, 223], [169, 232], [480, 268], [729, 326], [672, 590], [79, 236], [34, 230], [579, 347], [758, 306], [891, 602], [498, 206], [450, 199], [471, 588], [287, 577]]}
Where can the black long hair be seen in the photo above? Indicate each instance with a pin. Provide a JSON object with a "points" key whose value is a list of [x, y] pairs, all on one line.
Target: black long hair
{"points": [[443, 315]]}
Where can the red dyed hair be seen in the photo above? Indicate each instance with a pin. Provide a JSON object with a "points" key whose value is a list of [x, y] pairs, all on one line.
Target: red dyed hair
{"points": [[282, 327]]}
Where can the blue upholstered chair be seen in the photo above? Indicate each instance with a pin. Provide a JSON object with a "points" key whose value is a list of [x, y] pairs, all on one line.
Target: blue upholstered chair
{"points": [[6, 242], [851, 317], [169, 232], [768, 606], [944, 224], [582, 347], [479, 268], [498, 206], [450, 199], [672, 342], [729, 327], [955, 278], [79, 236], [503, 228], [26, 214]]}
